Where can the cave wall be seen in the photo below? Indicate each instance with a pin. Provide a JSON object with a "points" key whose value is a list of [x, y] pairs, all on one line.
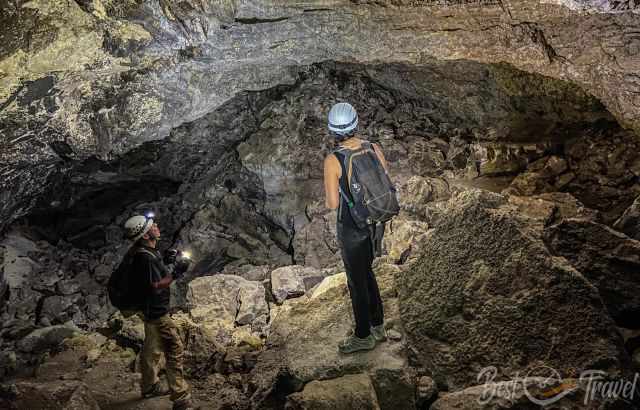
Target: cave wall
{"points": [[99, 77]]}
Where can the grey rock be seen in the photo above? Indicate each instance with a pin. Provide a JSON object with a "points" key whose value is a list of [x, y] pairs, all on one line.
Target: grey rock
{"points": [[129, 331], [253, 305], [553, 207], [82, 399], [221, 301], [60, 394], [347, 392], [102, 273], [249, 272], [417, 192], [395, 388], [129, 63], [315, 242], [8, 363], [55, 308], [305, 333], [48, 337], [608, 259], [68, 287], [629, 221], [485, 267], [287, 282], [426, 389]]}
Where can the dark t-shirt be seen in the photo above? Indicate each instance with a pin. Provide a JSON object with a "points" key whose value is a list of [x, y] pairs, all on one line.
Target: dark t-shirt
{"points": [[148, 268]]}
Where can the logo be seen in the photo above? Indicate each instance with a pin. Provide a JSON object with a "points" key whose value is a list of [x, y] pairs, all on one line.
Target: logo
{"points": [[356, 187], [548, 387], [544, 385]]}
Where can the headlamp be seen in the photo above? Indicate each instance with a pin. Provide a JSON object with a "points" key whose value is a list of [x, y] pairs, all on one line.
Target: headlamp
{"points": [[149, 215]]}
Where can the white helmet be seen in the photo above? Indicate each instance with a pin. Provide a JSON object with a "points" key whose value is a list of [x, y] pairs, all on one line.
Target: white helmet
{"points": [[343, 119], [137, 226]]}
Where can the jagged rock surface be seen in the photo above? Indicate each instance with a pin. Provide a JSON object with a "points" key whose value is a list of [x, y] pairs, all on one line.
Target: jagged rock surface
{"points": [[608, 259], [497, 297], [305, 333], [87, 78]]}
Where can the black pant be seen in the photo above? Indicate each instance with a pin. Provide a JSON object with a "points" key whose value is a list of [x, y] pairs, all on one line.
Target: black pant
{"points": [[357, 255]]}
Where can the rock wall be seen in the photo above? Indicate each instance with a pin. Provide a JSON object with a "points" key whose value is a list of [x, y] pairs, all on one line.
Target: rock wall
{"points": [[99, 77]]}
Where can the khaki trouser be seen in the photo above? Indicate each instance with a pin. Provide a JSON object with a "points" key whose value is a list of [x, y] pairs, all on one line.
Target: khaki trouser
{"points": [[161, 336]]}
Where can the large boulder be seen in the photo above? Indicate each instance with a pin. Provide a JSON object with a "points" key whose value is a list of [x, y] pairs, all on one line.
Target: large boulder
{"points": [[230, 229], [303, 344], [486, 291], [47, 338], [293, 281], [220, 302], [63, 395], [552, 207], [353, 391], [609, 259], [403, 236], [315, 242], [629, 221], [417, 192]]}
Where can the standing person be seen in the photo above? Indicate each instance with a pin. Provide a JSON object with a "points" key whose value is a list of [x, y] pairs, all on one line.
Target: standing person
{"points": [[356, 237], [151, 279]]}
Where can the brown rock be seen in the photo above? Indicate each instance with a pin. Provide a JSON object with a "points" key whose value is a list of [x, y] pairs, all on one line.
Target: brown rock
{"points": [[608, 259], [343, 393], [486, 275]]}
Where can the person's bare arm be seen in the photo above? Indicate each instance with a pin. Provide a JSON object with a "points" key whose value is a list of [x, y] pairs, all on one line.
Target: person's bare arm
{"points": [[163, 283], [383, 161], [331, 181]]}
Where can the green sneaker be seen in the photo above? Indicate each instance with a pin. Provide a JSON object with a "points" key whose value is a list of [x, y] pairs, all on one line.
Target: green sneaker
{"points": [[354, 344], [379, 333]]}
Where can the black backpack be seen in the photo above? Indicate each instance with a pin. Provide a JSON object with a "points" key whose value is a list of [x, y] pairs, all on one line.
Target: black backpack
{"points": [[121, 288], [373, 196]]}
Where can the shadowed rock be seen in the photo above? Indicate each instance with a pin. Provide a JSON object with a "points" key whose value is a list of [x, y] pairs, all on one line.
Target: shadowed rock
{"points": [[486, 292], [608, 259]]}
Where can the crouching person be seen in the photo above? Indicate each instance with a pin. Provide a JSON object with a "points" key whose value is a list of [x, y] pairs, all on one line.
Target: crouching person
{"points": [[151, 278]]}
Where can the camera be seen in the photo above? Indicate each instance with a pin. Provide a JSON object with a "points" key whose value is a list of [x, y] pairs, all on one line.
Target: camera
{"points": [[181, 260]]}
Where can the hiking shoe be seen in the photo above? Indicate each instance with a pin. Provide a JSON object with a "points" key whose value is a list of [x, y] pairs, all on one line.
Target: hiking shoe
{"points": [[354, 344], [156, 391], [379, 333]]}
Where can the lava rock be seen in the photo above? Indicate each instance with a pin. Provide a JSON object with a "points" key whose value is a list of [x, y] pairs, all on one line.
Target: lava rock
{"points": [[486, 275], [629, 221], [610, 261], [303, 341], [285, 283], [222, 300], [342, 393], [48, 337]]}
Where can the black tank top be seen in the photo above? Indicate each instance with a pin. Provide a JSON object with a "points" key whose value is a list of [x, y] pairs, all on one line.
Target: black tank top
{"points": [[344, 215]]}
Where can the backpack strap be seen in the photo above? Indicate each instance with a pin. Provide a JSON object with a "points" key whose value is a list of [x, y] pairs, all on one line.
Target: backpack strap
{"points": [[147, 251], [365, 147]]}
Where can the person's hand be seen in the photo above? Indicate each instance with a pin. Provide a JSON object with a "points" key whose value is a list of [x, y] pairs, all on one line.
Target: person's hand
{"points": [[181, 266], [170, 256]]}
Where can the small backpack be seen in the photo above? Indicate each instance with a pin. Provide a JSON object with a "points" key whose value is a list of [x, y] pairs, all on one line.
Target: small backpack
{"points": [[373, 196], [121, 289]]}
